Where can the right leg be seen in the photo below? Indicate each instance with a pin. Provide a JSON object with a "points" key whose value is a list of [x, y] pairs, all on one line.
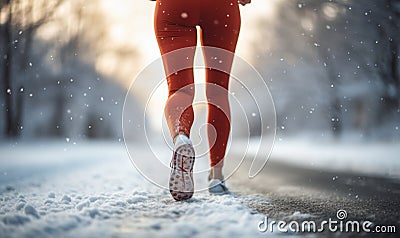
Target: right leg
{"points": [[176, 37]]}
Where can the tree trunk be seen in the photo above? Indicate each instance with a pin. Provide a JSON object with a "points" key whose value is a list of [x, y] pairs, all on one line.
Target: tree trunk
{"points": [[11, 129], [334, 105]]}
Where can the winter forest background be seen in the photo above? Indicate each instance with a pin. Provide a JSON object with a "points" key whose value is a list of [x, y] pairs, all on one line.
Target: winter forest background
{"points": [[333, 67]]}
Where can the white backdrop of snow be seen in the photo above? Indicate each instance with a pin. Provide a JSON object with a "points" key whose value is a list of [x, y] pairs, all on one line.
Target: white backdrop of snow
{"points": [[92, 190]]}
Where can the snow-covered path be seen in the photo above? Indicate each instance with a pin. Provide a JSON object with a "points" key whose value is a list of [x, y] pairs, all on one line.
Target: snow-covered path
{"points": [[92, 190]]}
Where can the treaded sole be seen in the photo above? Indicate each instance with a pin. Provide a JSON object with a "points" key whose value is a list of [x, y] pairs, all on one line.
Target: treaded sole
{"points": [[181, 184]]}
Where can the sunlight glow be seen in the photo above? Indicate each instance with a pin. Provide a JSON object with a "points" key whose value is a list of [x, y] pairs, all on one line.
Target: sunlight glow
{"points": [[141, 23], [136, 20], [127, 40]]}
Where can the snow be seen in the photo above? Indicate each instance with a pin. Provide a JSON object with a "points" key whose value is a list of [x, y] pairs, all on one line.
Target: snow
{"points": [[346, 155], [298, 215], [57, 189]]}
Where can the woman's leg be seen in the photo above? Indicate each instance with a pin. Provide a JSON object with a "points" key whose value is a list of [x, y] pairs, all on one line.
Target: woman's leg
{"points": [[220, 29], [176, 37], [175, 26]]}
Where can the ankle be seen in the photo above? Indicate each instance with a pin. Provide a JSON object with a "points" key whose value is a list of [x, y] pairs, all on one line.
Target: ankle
{"points": [[216, 173], [181, 137]]}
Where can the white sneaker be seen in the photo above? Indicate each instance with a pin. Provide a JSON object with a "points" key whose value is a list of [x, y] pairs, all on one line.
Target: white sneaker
{"points": [[181, 184], [216, 186]]}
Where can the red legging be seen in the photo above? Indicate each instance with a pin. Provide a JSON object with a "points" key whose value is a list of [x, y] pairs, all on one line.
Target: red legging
{"points": [[175, 27]]}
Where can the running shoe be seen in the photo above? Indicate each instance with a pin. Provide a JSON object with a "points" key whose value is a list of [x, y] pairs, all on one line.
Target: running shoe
{"points": [[218, 187], [181, 184]]}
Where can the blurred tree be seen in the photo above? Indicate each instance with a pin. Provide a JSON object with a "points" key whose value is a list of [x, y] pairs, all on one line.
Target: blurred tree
{"points": [[354, 43], [6, 49], [22, 20], [388, 59], [51, 78]]}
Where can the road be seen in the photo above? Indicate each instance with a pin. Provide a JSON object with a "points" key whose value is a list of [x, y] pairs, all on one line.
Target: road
{"points": [[53, 189], [294, 190]]}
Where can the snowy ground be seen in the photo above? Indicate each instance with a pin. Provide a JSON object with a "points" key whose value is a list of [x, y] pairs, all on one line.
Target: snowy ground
{"points": [[365, 158], [92, 190], [62, 189]]}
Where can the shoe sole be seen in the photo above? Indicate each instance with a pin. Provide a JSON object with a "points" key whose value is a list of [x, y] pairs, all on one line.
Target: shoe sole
{"points": [[181, 184]]}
